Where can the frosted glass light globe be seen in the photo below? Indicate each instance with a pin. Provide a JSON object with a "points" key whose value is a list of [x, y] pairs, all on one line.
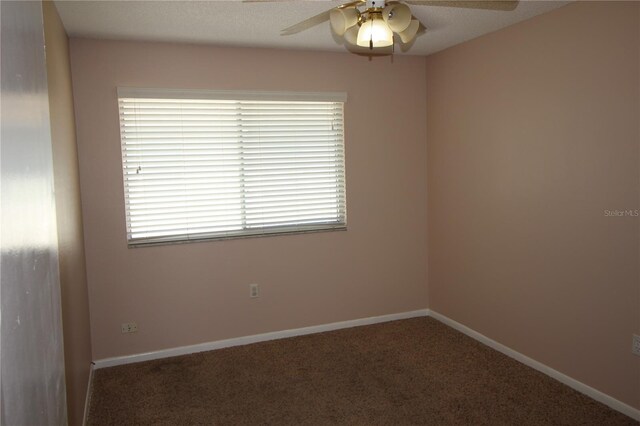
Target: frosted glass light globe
{"points": [[375, 30]]}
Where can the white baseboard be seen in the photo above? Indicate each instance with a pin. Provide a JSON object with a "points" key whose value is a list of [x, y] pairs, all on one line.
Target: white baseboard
{"points": [[239, 341], [87, 398], [563, 378]]}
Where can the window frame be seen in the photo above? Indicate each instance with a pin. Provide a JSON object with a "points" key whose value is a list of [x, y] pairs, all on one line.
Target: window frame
{"points": [[232, 95]]}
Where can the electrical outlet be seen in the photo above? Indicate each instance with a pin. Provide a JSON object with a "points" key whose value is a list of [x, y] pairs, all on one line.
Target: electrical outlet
{"points": [[636, 344], [129, 327], [254, 290]]}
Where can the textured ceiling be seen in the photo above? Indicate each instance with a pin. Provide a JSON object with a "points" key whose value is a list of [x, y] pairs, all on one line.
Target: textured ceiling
{"points": [[255, 24]]}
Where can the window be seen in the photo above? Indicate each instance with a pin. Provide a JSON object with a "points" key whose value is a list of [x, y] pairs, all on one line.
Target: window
{"points": [[209, 164]]}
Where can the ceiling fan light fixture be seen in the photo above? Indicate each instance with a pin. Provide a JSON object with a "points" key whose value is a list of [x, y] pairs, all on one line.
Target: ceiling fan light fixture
{"points": [[397, 16], [407, 35], [343, 19], [374, 23], [374, 33], [351, 35]]}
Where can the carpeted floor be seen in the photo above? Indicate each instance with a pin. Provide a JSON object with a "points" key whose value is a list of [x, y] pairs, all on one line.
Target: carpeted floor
{"points": [[415, 371]]}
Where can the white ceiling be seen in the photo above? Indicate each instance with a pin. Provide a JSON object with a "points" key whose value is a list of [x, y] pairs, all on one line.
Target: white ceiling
{"points": [[256, 24]]}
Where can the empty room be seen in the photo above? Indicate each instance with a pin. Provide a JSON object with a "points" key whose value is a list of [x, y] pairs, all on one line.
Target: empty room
{"points": [[287, 212]]}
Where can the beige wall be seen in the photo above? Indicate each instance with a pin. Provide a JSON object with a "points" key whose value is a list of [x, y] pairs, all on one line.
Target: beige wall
{"points": [[532, 133], [73, 279], [191, 293]]}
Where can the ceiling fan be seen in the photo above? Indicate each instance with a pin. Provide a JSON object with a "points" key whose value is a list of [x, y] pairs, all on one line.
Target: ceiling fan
{"points": [[378, 24]]}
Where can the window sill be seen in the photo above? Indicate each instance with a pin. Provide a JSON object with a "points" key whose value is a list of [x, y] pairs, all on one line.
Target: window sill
{"points": [[275, 233]]}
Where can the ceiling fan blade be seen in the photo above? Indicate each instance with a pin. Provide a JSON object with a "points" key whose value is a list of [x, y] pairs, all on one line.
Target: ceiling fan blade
{"points": [[422, 28], [505, 5], [352, 3], [307, 23], [314, 20], [269, 1]]}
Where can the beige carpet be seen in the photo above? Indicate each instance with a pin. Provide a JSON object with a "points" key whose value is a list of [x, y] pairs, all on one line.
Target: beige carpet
{"points": [[415, 371]]}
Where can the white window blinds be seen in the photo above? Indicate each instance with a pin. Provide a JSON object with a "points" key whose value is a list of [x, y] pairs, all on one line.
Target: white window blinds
{"points": [[204, 165]]}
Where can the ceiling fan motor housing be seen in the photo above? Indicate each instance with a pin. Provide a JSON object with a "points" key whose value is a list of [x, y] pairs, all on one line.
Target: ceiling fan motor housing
{"points": [[378, 4]]}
